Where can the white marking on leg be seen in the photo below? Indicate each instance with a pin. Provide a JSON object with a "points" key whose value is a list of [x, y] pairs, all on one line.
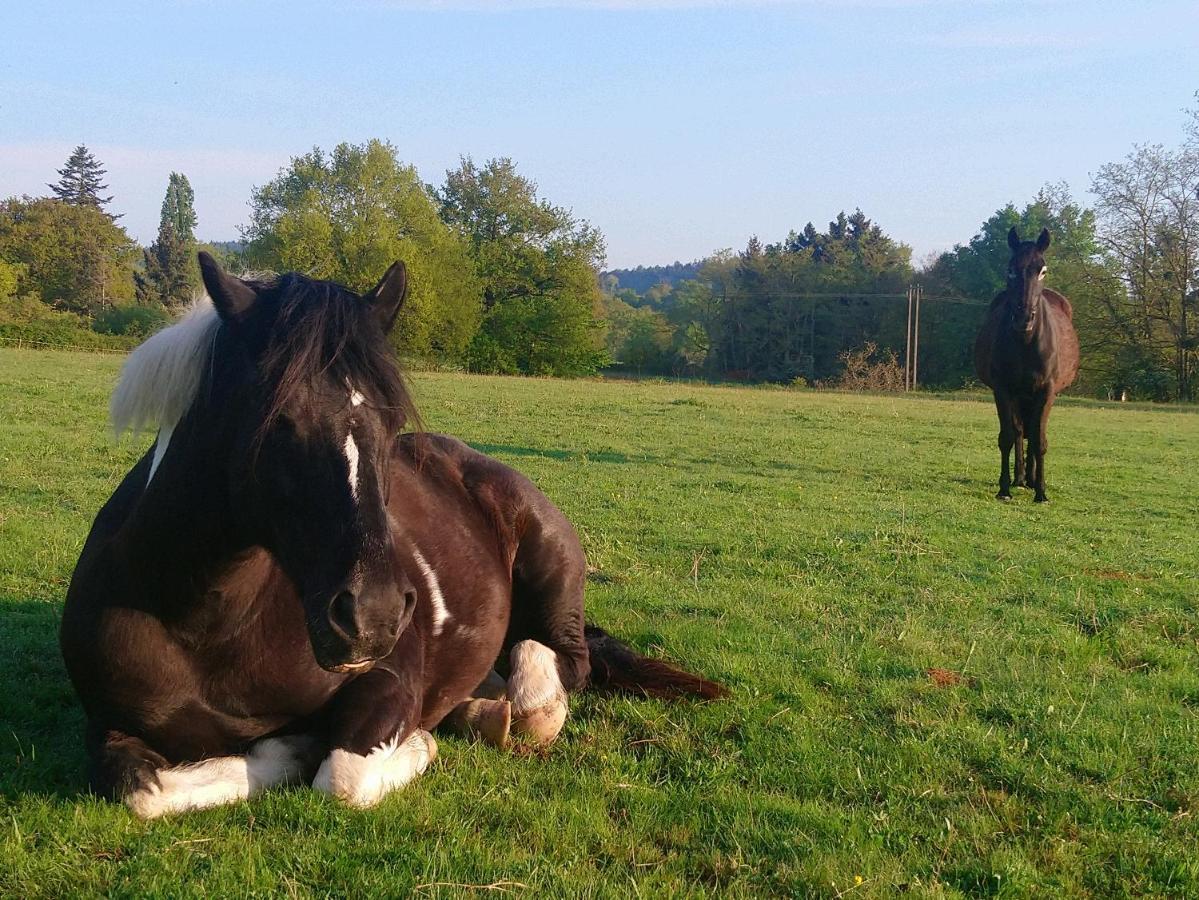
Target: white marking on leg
{"points": [[534, 680], [223, 779], [363, 781], [441, 614], [160, 449], [352, 458]]}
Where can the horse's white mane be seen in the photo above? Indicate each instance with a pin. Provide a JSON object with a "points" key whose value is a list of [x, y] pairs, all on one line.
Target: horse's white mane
{"points": [[160, 378]]}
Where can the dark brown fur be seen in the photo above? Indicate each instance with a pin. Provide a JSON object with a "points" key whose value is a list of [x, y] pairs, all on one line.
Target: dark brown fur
{"points": [[200, 599], [1026, 352]]}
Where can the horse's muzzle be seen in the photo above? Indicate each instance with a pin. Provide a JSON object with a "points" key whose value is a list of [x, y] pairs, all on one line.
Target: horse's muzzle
{"points": [[361, 625]]}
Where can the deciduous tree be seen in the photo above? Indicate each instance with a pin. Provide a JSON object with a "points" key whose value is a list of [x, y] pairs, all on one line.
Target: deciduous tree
{"points": [[539, 268], [346, 216]]}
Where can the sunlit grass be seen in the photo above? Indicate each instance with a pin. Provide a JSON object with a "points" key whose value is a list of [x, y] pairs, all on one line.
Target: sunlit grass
{"points": [[817, 552]]}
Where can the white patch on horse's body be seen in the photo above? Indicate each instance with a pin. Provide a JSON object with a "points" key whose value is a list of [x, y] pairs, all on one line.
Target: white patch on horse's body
{"points": [[160, 378], [351, 449], [222, 779], [363, 781], [356, 397], [160, 449], [441, 614]]}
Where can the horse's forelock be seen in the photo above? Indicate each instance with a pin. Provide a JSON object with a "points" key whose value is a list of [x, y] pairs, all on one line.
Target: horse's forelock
{"points": [[323, 332]]}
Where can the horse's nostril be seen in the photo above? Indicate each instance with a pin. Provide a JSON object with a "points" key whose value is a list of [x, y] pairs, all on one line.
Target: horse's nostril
{"points": [[409, 602], [343, 614]]}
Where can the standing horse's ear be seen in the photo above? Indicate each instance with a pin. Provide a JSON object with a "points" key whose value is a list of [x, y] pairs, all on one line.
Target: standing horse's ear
{"points": [[1013, 238], [388, 295], [1043, 240], [231, 296]]}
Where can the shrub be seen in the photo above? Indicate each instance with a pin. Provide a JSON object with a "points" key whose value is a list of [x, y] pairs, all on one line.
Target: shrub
{"points": [[133, 321], [869, 369]]}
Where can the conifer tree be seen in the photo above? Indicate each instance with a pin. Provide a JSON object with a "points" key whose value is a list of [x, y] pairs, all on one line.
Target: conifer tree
{"points": [[170, 276], [81, 182]]}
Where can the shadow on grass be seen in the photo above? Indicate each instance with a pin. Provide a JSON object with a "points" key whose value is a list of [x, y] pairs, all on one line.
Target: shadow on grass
{"points": [[606, 456], [41, 735]]}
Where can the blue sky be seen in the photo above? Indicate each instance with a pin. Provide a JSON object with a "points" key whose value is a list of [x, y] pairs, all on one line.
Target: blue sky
{"points": [[675, 126]]}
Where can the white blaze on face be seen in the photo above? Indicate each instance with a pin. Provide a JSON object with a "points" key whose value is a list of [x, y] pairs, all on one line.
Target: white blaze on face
{"points": [[351, 451], [356, 398]]}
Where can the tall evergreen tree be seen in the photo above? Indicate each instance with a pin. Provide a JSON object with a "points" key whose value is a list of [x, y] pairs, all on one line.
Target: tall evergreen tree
{"points": [[81, 181], [171, 275], [178, 207]]}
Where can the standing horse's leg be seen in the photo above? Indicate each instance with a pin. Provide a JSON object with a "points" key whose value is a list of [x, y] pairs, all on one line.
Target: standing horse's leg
{"points": [[549, 655], [1042, 446], [127, 768], [1018, 427], [1007, 434], [376, 743]]}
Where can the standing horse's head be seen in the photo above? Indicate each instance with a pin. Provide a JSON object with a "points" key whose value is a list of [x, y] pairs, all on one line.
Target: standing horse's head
{"points": [[1025, 279], [313, 404]]}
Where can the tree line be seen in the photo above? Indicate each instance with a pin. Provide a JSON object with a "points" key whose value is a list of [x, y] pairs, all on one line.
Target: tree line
{"points": [[506, 282], [806, 307]]}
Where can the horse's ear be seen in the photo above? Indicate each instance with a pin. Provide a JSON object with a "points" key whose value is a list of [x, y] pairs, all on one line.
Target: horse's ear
{"points": [[1043, 240], [231, 296], [388, 295], [1013, 238]]}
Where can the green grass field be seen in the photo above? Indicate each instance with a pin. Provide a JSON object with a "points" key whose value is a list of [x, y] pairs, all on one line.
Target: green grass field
{"points": [[818, 552]]}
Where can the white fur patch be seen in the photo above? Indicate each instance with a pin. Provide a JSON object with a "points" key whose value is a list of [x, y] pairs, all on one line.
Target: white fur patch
{"points": [[351, 450], [160, 448], [363, 781], [356, 397], [533, 682], [223, 779], [160, 378], [441, 614]]}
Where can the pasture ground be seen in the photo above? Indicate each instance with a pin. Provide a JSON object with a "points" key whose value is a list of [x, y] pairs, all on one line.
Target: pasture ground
{"points": [[821, 553]]}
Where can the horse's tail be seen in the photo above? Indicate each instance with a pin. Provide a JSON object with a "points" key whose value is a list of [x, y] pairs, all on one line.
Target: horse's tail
{"points": [[617, 666]]}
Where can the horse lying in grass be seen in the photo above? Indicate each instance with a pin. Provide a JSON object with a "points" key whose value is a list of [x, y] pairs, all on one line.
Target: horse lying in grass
{"points": [[281, 589], [1026, 352]]}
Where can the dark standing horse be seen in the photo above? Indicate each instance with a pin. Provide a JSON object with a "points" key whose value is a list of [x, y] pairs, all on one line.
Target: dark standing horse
{"points": [[1026, 353], [282, 589]]}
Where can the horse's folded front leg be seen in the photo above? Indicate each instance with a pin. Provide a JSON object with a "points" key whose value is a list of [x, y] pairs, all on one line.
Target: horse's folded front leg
{"points": [[376, 743], [151, 789]]}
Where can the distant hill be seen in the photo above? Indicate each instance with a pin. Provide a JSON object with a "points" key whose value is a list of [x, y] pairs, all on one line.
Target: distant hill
{"points": [[642, 278]]}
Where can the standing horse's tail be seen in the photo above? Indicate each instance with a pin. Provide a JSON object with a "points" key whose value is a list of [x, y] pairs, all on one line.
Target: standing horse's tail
{"points": [[617, 666]]}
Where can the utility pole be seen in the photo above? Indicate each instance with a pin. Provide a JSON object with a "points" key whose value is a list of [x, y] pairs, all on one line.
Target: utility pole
{"points": [[907, 350], [916, 337]]}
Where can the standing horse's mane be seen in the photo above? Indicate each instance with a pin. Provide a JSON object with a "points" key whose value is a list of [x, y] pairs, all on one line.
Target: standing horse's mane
{"points": [[314, 329]]}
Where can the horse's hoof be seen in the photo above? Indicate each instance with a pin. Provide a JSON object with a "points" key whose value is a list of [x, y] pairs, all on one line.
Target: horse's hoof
{"points": [[487, 720], [541, 725], [1041, 498], [1005, 497]]}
